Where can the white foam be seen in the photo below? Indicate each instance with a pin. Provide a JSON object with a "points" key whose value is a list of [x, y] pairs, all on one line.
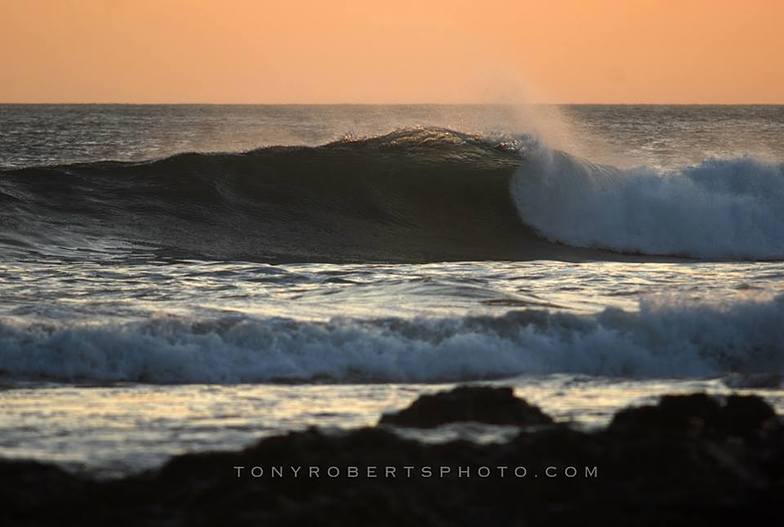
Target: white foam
{"points": [[717, 209], [669, 339]]}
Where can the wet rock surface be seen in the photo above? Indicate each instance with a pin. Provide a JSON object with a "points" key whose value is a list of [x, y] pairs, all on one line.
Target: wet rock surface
{"points": [[688, 460], [480, 404]]}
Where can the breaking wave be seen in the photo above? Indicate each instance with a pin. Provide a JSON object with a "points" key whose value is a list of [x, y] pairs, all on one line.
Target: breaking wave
{"points": [[718, 209], [414, 195], [662, 339]]}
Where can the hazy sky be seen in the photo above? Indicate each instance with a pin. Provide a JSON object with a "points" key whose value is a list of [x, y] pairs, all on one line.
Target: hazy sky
{"points": [[368, 51]]}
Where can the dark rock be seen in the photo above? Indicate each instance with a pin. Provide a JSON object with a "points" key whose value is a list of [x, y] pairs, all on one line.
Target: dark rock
{"points": [[673, 414], [745, 415], [481, 404], [640, 474], [696, 414]]}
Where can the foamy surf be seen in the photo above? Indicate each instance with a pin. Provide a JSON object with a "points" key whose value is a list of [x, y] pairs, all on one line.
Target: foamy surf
{"points": [[662, 339], [717, 209]]}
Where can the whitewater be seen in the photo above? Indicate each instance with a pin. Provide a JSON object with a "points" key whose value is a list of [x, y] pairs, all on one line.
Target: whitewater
{"points": [[183, 278], [657, 341], [717, 209]]}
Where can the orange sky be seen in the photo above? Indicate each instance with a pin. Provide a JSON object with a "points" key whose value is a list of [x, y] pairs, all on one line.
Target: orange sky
{"points": [[369, 51]]}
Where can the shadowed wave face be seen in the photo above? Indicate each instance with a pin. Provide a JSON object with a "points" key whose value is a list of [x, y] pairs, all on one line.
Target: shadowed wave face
{"points": [[414, 195], [409, 196]]}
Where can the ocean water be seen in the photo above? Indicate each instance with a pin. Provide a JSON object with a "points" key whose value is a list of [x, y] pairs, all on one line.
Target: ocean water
{"points": [[183, 278]]}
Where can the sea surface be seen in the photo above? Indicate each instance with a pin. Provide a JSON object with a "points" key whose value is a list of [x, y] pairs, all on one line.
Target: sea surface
{"points": [[186, 278]]}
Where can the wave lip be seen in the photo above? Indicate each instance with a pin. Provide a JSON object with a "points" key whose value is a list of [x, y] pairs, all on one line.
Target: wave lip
{"points": [[662, 339], [718, 209]]}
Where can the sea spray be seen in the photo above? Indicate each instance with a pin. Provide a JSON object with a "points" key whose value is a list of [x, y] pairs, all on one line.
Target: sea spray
{"points": [[717, 209]]}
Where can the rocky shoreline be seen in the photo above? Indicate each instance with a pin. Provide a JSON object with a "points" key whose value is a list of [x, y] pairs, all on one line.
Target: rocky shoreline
{"points": [[688, 460]]}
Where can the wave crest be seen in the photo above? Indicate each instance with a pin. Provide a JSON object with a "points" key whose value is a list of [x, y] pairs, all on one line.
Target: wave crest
{"points": [[662, 339], [413, 195], [718, 209]]}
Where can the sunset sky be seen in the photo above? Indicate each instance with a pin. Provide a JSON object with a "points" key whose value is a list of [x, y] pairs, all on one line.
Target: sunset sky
{"points": [[369, 51]]}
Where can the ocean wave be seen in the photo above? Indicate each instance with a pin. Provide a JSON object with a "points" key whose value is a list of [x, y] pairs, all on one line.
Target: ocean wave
{"points": [[718, 209], [414, 195], [410, 196], [663, 339]]}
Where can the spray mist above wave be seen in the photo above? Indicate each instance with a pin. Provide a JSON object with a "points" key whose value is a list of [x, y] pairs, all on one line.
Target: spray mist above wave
{"points": [[662, 339], [718, 209]]}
